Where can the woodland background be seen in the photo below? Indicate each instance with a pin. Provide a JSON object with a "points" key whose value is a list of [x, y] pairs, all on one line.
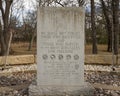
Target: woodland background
{"points": [[18, 20]]}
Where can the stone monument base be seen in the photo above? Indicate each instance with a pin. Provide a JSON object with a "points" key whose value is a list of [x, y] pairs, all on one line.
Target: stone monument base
{"points": [[86, 90]]}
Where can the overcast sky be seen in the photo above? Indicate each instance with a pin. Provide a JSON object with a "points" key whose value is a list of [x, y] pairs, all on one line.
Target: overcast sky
{"points": [[29, 4]]}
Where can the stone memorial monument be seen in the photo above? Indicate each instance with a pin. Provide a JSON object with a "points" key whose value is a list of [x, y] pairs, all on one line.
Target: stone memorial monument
{"points": [[60, 53]]}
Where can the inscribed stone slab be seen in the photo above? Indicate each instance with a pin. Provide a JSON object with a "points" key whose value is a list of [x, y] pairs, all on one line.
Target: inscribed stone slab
{"points": [[60, 46]]}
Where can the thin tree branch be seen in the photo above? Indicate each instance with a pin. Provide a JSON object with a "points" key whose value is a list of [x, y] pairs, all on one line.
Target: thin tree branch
{"points": [[59, 3], [1, 8]]}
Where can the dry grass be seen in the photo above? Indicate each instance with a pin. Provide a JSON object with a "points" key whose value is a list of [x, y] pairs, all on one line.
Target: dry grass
{"points": [[21, 48], [102, 49]]}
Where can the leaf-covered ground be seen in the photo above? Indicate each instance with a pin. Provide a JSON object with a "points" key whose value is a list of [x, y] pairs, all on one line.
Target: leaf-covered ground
{"points": [[91, 77]]}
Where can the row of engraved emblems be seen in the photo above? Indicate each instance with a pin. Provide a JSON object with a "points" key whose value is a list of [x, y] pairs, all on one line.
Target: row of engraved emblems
{"points": [[60, 57]]}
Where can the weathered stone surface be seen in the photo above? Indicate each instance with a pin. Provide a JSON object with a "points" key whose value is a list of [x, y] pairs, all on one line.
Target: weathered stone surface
{"points": [[19, 59], [60, 46], [100, 59], [86, 90]]}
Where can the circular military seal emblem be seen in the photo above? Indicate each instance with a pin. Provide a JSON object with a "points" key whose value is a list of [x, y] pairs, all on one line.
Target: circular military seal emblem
{"points": [[52, 56], [45, 57], [60, 57], [68, 57], [76, 57]]}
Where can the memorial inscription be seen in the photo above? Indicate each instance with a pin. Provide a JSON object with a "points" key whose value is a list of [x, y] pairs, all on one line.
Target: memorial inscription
{"points": [[61, 47]]}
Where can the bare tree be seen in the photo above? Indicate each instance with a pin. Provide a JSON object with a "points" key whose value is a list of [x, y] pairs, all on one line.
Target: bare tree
{"points": [[111, 13], [33, 24], [81, 2], [4, 32], [94, 46], [108, 18], [62, 3], [44, 3], [115, 7]]}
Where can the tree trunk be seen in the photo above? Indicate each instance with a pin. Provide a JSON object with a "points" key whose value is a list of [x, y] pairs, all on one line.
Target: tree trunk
{"points": [[31, 41], [3, 44], [81, 2], [4, 32], [115, 6], [108, 25], [94, 46]]}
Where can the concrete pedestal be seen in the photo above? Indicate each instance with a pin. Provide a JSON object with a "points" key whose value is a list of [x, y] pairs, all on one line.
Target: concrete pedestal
{"points": [[86, 90]]}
